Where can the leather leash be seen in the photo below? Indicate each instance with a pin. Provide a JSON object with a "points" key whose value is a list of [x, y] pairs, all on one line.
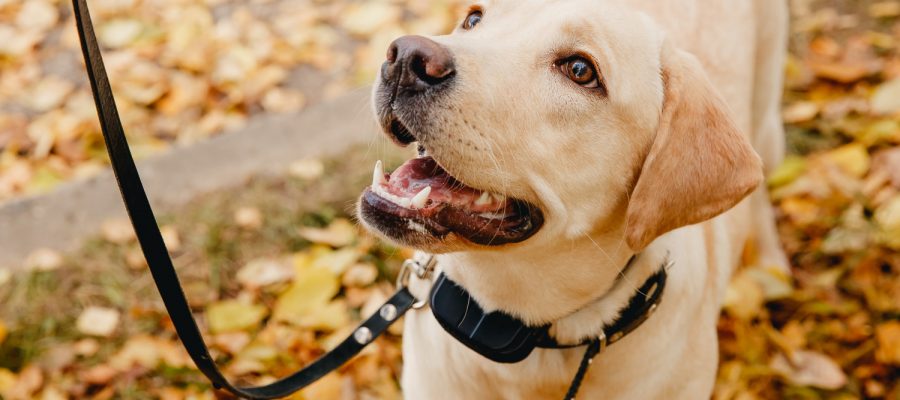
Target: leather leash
{"points": [[160, 264]]}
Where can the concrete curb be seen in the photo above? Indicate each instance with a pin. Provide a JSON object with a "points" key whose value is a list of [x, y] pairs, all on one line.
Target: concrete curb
{"points": [[267, 144]]}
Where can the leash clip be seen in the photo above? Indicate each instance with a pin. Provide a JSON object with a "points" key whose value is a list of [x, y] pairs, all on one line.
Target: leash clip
{"points": [[422, 265]]}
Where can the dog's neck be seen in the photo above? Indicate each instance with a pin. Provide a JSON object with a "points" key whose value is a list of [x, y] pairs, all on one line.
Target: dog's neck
{"points": [[578, 286]]}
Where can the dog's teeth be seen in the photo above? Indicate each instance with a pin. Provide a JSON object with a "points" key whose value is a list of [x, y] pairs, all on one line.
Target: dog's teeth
{"points": [[420, 199], [378, 175], [485, 199]]}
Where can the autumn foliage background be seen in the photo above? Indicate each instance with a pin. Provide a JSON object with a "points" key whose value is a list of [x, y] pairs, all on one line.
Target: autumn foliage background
{"points": [[276, 271]]}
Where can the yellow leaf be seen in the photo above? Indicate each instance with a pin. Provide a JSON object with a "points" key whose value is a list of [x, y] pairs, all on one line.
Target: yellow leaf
{"points": [[336, 261], [7, 380], [312, 289], [3, 332], [329, 317], [233, 316], [744, 297], [364, 19], [852, 158], [787, 172], [888, 335], [329, 387]]}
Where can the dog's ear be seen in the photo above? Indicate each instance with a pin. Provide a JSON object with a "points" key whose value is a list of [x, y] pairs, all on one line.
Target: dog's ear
{"points": [[699, 165]]}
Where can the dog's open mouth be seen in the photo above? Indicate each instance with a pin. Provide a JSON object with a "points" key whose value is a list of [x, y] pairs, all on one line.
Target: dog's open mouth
{"points": [[420, 201]]}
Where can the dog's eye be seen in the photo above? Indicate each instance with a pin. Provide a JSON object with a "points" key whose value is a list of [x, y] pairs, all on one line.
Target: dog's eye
{"points": [[474, 18], [581, 71]]}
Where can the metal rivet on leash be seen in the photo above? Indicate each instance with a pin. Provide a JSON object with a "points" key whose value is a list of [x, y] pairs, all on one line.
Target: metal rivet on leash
{"points": [[362, 335], [388, 312]]}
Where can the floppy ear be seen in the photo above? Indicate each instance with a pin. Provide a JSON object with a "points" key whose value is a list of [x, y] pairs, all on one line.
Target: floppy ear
{"points": [[699, 165]]}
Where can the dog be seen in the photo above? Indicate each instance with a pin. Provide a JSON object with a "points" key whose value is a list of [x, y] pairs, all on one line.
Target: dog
{"points": [[559, 139]]}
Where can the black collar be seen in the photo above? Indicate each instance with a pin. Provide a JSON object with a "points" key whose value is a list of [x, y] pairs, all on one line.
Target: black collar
{"points": [[503, 338]]}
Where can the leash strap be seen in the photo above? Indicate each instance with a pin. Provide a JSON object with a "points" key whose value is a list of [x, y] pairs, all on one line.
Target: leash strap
{"points": [[160, 264]]}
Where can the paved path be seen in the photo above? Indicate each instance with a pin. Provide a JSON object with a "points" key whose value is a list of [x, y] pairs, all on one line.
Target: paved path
{"points": [[267, 144]]}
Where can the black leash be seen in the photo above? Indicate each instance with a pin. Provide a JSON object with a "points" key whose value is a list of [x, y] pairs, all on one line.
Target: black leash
{"points": [[160, 263]]}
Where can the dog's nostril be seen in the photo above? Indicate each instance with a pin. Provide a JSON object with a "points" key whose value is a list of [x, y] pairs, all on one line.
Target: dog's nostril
{"points": [[392, 53], [423, 61]]}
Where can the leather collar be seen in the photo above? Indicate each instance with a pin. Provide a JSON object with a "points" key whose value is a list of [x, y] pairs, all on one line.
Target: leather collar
{"points": [[503, 338]]}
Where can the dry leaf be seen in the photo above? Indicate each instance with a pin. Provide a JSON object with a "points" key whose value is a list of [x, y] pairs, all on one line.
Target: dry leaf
{"points": [[264, 272], [744, 297], [808, 368], [118, 231], [802, 111], [340, 233], [888, 337], [248, 218], [309, 169], [44, 260], [360, 275], [98, 321], [364, 19]]}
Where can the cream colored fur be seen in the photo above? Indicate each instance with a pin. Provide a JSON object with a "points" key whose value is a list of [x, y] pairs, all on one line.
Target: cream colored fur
{"points": [[692, 84]]}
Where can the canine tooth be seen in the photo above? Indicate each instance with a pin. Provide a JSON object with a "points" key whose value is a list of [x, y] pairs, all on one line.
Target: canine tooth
{"points": [[421, 199], [484, 199], [378, 175]]}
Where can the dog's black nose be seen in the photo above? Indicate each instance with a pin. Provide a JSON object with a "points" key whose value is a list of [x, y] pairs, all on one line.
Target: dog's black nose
{"points": [[418, 63]]}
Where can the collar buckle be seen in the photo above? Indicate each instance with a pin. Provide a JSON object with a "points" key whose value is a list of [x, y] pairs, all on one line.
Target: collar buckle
{"points": [[422, 265]]}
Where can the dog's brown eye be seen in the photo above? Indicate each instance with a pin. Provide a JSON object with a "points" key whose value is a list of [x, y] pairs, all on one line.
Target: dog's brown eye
{"points": [[474, 18], [581, 71]]}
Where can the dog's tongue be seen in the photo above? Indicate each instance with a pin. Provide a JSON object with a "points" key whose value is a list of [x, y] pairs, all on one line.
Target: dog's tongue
{"points": [[408, 182]]}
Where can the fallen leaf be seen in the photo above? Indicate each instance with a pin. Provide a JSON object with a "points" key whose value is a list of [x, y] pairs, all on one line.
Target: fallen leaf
{"points": [[884, 9], [7, 381], [744, 297], [99, 375], [249, 218], [329, 387], [118, 231], [44, 260], [360, 275], [309, 169], [852, 158], [340, 233], [364, 19], [888, 338], [171, 237], [137, 351], [98, 321], [787, 172], [886, 99], [808, 368], [311, 290], [798, 112], [233, 315], [119, 32], [264, 272]]}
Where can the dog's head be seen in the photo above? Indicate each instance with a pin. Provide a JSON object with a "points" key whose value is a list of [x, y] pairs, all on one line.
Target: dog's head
{"points": [[543, 120]]}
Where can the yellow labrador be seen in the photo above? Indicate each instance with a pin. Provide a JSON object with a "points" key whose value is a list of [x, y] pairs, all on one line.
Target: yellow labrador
{"points": [[557, 140]]}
